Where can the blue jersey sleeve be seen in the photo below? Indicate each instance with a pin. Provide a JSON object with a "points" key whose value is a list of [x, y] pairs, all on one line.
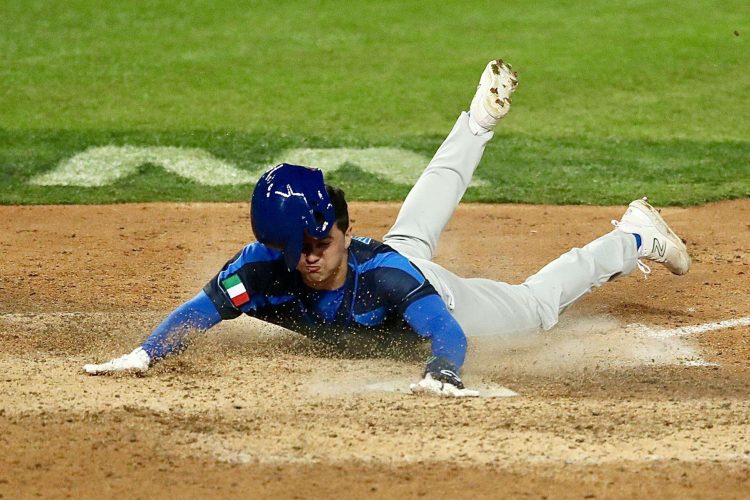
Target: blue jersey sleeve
{"points": [[430, 318], [196, 315]]}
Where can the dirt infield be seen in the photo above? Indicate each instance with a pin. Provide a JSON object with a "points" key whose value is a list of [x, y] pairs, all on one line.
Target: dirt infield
{"points": [[616, 402]]}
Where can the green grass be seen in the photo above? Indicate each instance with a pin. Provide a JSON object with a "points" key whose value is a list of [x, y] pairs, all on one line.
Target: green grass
{"points": [[518, 168], [616, 99]]}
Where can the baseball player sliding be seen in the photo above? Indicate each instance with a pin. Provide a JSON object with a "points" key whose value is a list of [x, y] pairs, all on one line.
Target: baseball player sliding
{"points": [[308, 273]]}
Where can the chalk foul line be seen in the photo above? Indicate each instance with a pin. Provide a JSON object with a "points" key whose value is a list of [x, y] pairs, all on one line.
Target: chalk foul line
{"points": [[684, 331]]}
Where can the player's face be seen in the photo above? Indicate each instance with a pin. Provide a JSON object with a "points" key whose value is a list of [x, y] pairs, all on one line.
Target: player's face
{"points": [[323, 263]]}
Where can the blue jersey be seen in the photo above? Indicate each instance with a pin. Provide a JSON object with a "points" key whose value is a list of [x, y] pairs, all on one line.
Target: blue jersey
{"points": [[380, 286], [384, 298]]}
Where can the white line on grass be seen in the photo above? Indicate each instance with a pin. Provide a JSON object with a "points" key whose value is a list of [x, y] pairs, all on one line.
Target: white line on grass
{"points": [[105, 165]]}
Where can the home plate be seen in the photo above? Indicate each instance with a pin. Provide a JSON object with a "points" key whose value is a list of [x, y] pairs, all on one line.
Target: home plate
{"points": [[403, 388], [496, 392]]}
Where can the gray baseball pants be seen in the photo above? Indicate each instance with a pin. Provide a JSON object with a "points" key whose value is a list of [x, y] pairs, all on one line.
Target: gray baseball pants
{"points": [[485, 307]]}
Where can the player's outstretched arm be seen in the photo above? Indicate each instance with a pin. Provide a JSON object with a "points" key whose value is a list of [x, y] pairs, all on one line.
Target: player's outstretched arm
{"points": [[196, 315], [430, 318]]}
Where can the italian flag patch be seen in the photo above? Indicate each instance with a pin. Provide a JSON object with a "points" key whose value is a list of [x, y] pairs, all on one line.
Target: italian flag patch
{"points": [[236, 290]]}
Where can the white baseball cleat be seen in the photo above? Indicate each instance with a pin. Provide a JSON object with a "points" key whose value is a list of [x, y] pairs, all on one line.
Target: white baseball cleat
{"points": [[658, 242], [492, 99]]}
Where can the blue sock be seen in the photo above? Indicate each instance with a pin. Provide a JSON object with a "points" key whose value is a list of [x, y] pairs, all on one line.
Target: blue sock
{"points": [[637, 241]]}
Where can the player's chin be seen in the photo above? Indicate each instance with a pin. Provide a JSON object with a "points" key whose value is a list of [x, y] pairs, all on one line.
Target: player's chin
{"points": [[316, 276]]}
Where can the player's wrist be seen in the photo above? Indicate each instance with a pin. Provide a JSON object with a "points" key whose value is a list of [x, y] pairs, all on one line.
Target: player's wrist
{"points": [[443, 370]]}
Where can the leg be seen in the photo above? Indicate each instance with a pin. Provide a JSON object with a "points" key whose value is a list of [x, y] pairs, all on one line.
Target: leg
{"points": [[481, 306], [485, 307], [572, 275], [433, 199]]}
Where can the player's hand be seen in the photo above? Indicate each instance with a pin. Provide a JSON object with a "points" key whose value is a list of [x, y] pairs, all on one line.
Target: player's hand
{"points": [[441, 379], [136, 361], [431, 386]]}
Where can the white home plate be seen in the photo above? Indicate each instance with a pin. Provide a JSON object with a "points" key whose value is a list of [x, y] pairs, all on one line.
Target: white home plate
{"points": [[402, 387], [496, 392]]}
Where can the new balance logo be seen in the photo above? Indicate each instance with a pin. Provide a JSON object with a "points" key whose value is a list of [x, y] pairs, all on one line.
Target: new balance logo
{"points": [[659, 249]]}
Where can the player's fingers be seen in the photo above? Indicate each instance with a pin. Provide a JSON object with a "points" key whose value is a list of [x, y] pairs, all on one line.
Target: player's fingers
{"points": [[426, 386], [451, 391], [434, 387], [94, 369], [115, 365], [420, 388]]}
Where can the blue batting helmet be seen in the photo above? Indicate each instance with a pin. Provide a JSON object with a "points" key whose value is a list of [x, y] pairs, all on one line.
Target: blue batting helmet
{"points": [[287, 201]]}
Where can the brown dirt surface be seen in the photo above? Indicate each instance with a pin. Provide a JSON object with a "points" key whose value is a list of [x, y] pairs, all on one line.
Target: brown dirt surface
{"points": [[607, 407]]}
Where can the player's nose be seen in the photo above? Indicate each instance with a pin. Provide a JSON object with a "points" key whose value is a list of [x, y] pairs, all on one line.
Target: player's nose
{"points": [[310, 257]]}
